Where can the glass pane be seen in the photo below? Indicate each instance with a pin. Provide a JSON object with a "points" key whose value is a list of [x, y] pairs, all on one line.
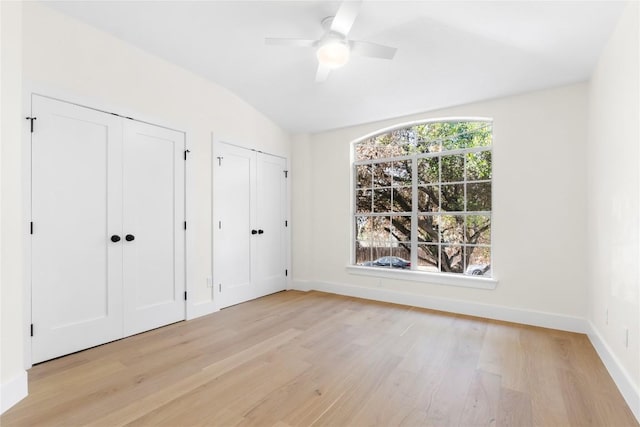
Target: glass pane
{"points": [[465, 134], [379, 252], [401, 228], [382, 173], [479, 166], [428, 170], [393, 261], [429, 198], [452, 168], [403, 254], [478, 230], [380, 231], [480, 134], [363, 201], [451, 228], [451, 259], [363, 176], [382, 200], [428, 258], [402, 173], [363, 252], [452, 197], [479, 196], [479, 261], [402, 199], [428, 229], [363, 227], [363, 151]]}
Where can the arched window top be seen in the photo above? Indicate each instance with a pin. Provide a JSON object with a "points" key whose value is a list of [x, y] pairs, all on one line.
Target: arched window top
{"points": [[432, 136]]}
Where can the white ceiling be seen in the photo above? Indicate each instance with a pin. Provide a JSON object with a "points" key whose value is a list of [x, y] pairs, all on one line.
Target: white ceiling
{"points": [[449, 52]]}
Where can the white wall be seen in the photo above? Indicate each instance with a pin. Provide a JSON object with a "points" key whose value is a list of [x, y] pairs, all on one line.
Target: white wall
{"points": [[613, 203], [68, 59], [13, 378], [539, 212]]}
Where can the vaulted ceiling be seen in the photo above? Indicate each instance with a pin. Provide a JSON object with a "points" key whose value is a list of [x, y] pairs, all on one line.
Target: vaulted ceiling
{"points": [[449, 52]]}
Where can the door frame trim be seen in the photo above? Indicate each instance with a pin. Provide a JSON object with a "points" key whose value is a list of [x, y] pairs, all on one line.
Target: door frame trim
{"points": [[31, 88]]}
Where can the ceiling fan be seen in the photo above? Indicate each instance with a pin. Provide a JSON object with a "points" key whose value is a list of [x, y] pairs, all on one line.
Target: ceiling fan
{"points": [[334, 48]]}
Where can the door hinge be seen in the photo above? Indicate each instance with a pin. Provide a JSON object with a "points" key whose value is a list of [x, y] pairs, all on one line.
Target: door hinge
{"points": [[219, 287], [31, 227], [32, 329], [31, 119], [220, 160], [185, 225], [219, 225], [286, 273], [286, 174], [286, 223], [185, 295], [185, 153]]}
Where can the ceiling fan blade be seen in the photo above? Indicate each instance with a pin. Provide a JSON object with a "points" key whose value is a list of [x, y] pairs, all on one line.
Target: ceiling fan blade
{"points": [[290, 42], [372, 49], [346, 16], [322, 73]]}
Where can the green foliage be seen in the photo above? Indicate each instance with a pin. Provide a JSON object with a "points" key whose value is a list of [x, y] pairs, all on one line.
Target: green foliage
{"points": [[425, 138]]}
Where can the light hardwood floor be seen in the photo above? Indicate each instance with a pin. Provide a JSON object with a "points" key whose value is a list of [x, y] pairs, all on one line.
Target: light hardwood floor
{"points": [[301, 359]]}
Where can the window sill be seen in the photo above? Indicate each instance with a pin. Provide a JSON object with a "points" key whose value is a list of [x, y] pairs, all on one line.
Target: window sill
{"points": [[425, 277]]}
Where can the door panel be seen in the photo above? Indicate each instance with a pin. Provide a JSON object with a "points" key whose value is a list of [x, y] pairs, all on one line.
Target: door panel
{"points": [[271, 202], [234, 179], [154, 212], [76, 207]]}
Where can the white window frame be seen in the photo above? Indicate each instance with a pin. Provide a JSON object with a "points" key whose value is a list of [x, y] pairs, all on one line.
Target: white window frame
{"points": [[443, 278]]}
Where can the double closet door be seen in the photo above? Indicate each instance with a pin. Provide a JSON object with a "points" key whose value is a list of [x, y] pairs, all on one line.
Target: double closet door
{"points": [[107, 234], [250, 224]]}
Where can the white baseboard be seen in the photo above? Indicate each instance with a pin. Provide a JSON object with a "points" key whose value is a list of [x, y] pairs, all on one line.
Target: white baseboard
{"points": [[629, 390], [13, 391], [489, 311]]}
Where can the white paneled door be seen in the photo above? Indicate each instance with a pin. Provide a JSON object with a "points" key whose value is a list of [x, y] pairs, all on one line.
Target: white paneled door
{"points": [[76, 207], [270, 245], [107, 241], [249, 227], [153, 226]]}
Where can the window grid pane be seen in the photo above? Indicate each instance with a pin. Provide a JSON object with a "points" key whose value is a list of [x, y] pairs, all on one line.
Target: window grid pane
{"points": [[453, 185]]}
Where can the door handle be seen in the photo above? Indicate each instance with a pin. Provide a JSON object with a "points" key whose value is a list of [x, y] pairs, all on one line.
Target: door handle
{"points": [[254, 231], [115, 238], [260, 231], [129, 237]]}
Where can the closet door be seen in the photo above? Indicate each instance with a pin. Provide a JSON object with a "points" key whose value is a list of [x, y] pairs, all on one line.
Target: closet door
{"points": [[153, 227], [271, 204], [234, 227], [249, 224], [76, 208]]}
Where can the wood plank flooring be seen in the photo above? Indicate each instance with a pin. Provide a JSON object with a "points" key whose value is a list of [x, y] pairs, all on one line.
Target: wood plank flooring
{"points": [[302, 359]]}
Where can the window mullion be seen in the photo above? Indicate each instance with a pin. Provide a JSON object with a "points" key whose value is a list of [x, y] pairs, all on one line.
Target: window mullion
{"points": [[414, 213]]}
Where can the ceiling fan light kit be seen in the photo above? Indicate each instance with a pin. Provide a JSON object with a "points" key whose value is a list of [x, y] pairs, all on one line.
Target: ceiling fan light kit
{"points": [[333, 53], [334, 49]]}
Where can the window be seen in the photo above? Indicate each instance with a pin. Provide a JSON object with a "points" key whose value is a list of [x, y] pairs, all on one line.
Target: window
{"points": [[423, 198]]}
